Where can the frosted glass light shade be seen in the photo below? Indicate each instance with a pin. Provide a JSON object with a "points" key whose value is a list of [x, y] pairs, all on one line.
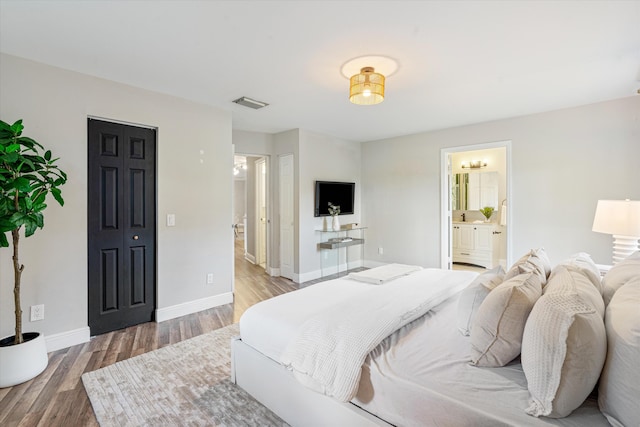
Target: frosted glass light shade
{"points": [[621, 218], [367, 87]]}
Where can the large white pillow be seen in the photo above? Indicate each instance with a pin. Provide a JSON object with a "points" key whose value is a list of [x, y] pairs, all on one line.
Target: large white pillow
{"points": [[620, 274], [584, 261], [474, 294], [563, 345], [582, 281], [496, 332], [536, 260], [619, 390]]}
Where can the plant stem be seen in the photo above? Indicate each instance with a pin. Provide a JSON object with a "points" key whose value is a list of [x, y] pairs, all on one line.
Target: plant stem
{"points": [[17, 271]]}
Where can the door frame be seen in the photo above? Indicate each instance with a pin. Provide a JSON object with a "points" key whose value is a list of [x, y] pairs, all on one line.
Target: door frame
{"points": [[262, 194], [270, 270], [446, 258]]}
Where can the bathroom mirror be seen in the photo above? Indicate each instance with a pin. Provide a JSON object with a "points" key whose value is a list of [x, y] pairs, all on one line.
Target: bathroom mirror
{"points": [[474, 190]]}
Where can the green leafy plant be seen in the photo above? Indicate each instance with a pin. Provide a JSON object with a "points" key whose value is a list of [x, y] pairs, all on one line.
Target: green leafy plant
{"points": [[28, 174], [333, 209], [487, 211]]}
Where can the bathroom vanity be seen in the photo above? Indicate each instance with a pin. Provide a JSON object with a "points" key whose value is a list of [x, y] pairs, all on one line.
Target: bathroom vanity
{"points": [[476, 243]]}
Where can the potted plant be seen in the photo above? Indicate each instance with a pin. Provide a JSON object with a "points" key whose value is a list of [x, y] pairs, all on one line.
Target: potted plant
{"points": [[28, 174], [487, 211]]}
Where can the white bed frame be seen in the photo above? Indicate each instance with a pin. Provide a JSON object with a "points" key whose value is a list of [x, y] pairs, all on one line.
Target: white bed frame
{"points": [[276, 388]]}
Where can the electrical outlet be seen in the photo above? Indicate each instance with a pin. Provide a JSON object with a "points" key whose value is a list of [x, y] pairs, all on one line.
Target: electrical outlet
{"points": [[380, 251], [210, 279], [37, 312]]}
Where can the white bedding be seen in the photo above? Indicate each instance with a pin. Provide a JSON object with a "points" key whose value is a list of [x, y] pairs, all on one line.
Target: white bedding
{"points": [[329, 349], [270, 325], [419, 376]]}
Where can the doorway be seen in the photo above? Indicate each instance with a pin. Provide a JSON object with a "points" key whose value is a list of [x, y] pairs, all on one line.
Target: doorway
{"points": [[474, 178], [121, 225], [251, 208]]}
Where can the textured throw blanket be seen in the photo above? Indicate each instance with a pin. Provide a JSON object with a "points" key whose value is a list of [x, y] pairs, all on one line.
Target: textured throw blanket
{"points": [[328, 352], [384, 274]]}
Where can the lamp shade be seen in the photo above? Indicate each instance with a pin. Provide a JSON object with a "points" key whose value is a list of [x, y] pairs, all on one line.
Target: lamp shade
{"points": [[367, 87], [617, 217]]}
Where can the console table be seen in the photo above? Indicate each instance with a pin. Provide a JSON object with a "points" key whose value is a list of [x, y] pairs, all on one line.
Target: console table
{"points": [[341, 251]]}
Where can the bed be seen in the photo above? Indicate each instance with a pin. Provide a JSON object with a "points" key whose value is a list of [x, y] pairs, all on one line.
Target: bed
{"points": [[417, 376]]}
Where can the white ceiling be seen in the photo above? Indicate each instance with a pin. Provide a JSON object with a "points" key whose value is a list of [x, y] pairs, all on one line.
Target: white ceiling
{"points": [[460, 62]]}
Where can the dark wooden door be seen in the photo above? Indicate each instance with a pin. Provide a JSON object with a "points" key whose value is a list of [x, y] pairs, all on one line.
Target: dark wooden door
{"points": [[122, 228]]}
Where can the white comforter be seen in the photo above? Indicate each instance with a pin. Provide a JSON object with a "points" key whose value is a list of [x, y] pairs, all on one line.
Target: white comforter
{"points": [[329, 349]]}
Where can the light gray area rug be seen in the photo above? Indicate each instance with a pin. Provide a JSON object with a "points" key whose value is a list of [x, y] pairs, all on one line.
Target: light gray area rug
{"points": [[184, 384]]}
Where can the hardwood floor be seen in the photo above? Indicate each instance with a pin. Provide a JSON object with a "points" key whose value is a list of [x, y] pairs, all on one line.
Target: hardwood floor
{"points": [[57, 397]]}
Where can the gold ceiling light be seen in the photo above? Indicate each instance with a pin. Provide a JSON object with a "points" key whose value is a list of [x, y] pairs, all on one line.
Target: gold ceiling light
{"points": [[366, 87]]}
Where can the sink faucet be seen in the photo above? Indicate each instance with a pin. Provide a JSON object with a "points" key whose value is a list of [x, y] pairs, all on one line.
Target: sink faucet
{"points": [[463, 217]]}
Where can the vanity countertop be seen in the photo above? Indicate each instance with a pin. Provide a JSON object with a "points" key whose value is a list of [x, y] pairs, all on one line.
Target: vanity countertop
{"points": [[474, 222]]}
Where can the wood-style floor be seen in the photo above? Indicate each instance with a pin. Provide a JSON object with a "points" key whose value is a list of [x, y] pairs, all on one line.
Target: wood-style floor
{"points": [[57, 397]]}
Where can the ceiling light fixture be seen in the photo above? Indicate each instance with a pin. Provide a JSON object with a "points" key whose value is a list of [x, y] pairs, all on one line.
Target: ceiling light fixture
{"points": [[366, 87], [251, 103]]}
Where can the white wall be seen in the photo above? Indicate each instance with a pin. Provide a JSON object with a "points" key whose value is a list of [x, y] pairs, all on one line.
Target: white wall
{"points": [[323, 158], [562, 163], [194, 182], [239, 200]]}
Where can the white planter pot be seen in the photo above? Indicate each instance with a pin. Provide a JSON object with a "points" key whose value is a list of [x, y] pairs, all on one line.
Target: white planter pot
{"points": [[24, 361]]}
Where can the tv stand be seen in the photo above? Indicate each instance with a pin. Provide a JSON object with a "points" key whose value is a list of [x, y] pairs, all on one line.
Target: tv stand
{"points": [[337, 252]]}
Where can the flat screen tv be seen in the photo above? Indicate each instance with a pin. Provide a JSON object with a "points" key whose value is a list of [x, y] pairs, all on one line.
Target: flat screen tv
{"points": [[338, 193]]}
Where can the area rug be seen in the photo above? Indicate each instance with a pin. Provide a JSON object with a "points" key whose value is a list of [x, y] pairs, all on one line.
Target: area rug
{"points": [[184, 384]]}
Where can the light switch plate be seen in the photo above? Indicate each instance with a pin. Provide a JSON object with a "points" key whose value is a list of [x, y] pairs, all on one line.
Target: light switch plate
{"points": [[171, 220]]}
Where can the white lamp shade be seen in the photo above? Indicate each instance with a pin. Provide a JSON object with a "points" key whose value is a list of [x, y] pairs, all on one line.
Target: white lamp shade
{"points": [[617, 217]]}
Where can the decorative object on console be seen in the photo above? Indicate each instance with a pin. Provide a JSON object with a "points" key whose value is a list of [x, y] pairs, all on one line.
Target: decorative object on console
{"points": [[334, 211], [620, 218], [351, 226]]}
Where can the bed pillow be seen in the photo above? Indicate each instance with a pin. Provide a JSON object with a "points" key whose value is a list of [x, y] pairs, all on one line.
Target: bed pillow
{"points": [[473, 295], [583, 281], [583, 261], [620, 380], [536, 260], [496, 332], [564, 345], [620, 274]]}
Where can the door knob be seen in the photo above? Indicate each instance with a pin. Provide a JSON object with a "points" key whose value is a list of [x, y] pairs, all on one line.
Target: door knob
{"points": [[135, 237]]}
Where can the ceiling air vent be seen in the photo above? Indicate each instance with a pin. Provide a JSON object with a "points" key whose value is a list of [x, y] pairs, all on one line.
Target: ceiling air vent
{"points": [[251, 103]]}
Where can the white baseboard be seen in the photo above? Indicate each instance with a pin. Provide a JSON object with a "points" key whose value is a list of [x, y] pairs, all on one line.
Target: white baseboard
{"points": [[191, 307], [250, 258], [273, 272], [67, 339]]}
